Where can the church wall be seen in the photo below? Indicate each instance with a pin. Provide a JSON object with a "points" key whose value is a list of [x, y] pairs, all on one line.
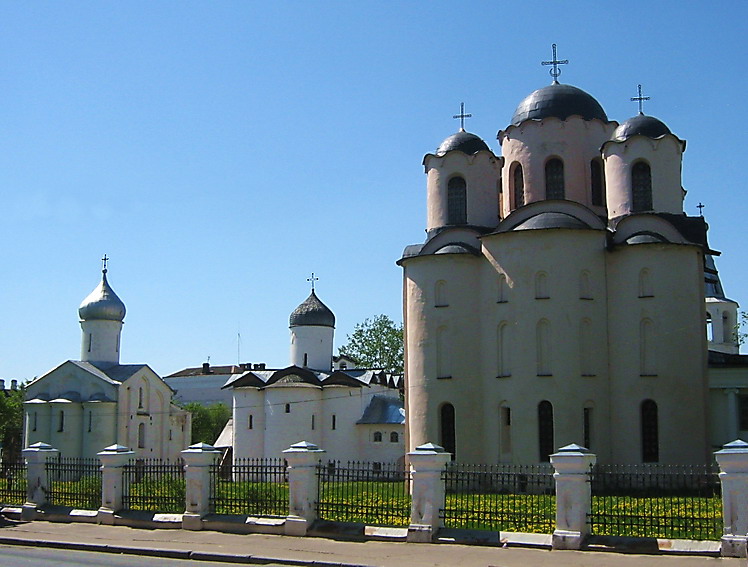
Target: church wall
{"points": [[347, 405], [283, 429], [672, 371], [65, 433], [99, 426], [249, 443]]}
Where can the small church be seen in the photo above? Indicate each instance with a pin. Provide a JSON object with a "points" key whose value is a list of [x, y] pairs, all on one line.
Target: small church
{"points": [[561, 292], [82, 406]]}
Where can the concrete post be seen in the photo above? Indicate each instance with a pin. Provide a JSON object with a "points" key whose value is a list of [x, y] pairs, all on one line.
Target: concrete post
{"points": [[36, 477], [112, 458], [197, 461], [733, 464], [573, 495], [303, 489], [427, 463]]}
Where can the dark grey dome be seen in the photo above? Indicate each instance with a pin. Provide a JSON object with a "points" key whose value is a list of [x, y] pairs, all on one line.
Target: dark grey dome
{"points": [[312, 312], [551, 220], [463, 141], [559, 101], [645, 238], [641, 125], [102, 303]]}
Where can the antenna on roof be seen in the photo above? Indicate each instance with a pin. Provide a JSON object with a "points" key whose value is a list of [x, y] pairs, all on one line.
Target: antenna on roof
{"points": [[555, 71]]}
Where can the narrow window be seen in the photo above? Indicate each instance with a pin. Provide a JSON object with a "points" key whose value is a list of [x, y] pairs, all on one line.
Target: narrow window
{"points": [[90, 340], [377, 437], [394, 437], [646, 348], [650, 433], [116, 346], [456, 201], [503, 290], [251, 422], [171, 435], [519, 186], [505, 423], [312, 422], [541, 286], [709, 327], [727, 330], [141, 436], [343, 366], [503, 350], [334, 421], [447, 429], [61, 422], [588, 427], [306, 360], [34, 426], [597, 182], [645, 284], [90, 421], [140, 398], [554, 179], [543, 347], [545, 430], [641, 187], [288, 408], [440, 294]]}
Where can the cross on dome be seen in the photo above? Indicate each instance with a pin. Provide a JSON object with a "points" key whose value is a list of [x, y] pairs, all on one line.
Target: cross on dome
{"points": [[312, 279], [104, 260], [462, 116], [701, 206], [555, 71], [640, 99]]}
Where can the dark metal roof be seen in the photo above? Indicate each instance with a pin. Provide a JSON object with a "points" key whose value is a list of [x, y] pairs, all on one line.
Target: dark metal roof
{"points": [[312, 312], [463, 141], [383, 410], [552, 220], [559, 101], [458, 248], [645, 238], [641, 125], [717, 359]]}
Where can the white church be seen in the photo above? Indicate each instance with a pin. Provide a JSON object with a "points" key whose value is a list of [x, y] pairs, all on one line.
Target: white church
{"points": [[82, 406], [560, 297]]}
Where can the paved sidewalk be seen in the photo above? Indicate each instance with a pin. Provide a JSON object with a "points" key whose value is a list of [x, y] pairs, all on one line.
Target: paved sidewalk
{"points": [[321, 552]]}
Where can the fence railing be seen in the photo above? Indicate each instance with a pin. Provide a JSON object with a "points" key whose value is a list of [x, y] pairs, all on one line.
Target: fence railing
{"points": [[74, 482], [364, 492], [249, 487], [13, 483], [516, 498], [678, 501], [154, 485]]}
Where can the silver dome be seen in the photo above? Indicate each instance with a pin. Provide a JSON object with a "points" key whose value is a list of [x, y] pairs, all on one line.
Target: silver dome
{"points": [[102, 303]]}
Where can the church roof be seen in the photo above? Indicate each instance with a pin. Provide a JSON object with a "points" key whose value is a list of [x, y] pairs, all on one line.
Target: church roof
{"points": [[383, 410], [552, 219], [312, 312], [641, 125], [559, 101], [464, 142], [102, 303]]}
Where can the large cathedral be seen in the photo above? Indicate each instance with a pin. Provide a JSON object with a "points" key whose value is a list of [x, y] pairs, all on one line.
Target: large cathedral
{"points": [[559, 296]]}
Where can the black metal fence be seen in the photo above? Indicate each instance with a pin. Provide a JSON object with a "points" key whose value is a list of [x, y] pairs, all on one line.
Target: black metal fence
{"points": [[665, 501], [13, 483], [153, 485], [516, 498], [74, 482], [249, 487], [364, 492]]}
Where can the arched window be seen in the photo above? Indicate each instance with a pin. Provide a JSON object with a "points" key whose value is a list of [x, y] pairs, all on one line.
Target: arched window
{"points": [[641, 187], [541, 286], [251, 422], [140, 398], [90, 421], [645, 284], [141, 436], [503, 350], [543, 347], [377, 437], [518, 179], [503, 290], [709, 327], [288, 408], [394, 437], [586, 365], [440, 294], [456, 201], [447, 429], [442, 354], [505, 430], [554, 179], [61, 422], [650, 432], [334, 422], [545, 430], [597, 183], [647, 365]]}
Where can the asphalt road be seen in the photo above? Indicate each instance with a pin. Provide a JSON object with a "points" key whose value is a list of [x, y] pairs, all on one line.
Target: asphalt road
{"points": [[11, 556]]}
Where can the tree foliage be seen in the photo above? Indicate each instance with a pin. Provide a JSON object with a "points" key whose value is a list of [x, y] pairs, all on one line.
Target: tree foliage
{"points": [[376, 343], [11, 423], [207, 421]]}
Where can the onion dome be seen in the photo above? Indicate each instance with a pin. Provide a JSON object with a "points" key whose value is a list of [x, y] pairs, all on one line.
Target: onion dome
{"points": [[462, 141], [102, 303], [641, 125], [559, 101], [312, 312]]}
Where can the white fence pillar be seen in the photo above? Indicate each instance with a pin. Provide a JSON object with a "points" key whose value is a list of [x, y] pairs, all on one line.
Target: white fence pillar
{"points": [[303, 488], [197, 461], [573, 495], [733, 464], [36, 478], [112, 458], [427, 463]]}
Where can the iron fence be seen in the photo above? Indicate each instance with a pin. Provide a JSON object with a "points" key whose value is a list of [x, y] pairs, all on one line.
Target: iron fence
{"points": [[249, 487], [663, 501], [364, 492], [516, 498], [74, 482], [13, 483], [153, 485]]}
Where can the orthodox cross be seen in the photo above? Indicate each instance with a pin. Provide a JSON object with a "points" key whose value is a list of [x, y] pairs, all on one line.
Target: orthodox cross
{"points": [[462, 116], [312, 279], [555, 71], [640, 99], [105, 259], [701, 206]]}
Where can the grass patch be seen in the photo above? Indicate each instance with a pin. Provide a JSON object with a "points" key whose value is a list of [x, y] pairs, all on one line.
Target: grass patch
{"points": [[250, 498]]}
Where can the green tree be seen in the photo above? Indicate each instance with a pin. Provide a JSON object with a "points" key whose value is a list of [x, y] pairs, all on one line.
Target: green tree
{"points": [[11, 423], [207, 421], [376, 343]]}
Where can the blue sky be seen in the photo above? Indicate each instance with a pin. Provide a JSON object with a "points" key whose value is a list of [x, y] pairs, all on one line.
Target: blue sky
{"points": [[220, 152]]}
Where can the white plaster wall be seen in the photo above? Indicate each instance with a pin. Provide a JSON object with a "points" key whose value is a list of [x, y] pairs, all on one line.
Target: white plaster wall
{"points": [[103, 431], [316, 342], [284, 429], [384, 451], [69, 440], [105, 341], [724, 317], [249, 443]]}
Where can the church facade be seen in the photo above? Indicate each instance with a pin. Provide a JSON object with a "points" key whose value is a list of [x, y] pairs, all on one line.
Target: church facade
{"points": [[82, 406], [559, 296]]}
